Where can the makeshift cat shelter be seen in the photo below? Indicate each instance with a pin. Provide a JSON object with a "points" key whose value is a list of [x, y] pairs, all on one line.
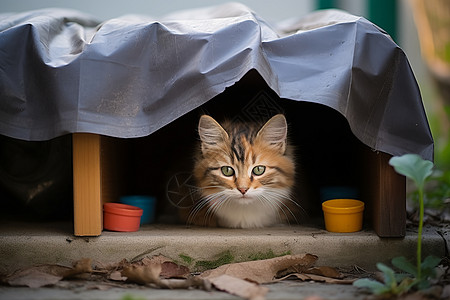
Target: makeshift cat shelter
{"points": [[63, 72]]}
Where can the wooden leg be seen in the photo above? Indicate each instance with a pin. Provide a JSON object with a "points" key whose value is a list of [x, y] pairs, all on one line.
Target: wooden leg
{"points": [[98, 164], [385, 191], [86, 184]]}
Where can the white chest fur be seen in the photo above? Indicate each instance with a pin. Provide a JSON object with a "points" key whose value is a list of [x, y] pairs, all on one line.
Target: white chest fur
{"points": [[252, 212]]}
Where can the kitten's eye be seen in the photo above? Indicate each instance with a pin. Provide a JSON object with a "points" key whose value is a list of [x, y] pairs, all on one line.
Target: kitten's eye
{"points": [[227, 171], [259, 170]]}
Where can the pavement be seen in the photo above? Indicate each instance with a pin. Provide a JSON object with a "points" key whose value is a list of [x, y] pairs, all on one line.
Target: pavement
{"points": [[278, 291], [26, 244]]}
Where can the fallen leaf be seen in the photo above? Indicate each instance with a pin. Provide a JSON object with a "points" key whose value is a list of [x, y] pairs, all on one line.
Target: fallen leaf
{"points": [[191, 282], [150, 274], [142, 274], [79, 267], [116, 276], [56, 270], [324, 271], [317, 278], [33, 278], [261, 271], [239, 287], [155, 259], [169, 269], [172, 270], [43, 275]]}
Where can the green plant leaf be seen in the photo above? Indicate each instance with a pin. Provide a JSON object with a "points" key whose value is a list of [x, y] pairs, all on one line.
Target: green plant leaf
{"points": [[423, 284], [403, 264], [375, 287], [131, 297], [429, 266], [430, 262], [405, 285], [402, 276], [413, 167], [389, 275]]}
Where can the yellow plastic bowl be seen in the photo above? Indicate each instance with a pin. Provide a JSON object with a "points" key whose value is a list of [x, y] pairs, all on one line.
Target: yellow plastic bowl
{"points": [[343, 215]]}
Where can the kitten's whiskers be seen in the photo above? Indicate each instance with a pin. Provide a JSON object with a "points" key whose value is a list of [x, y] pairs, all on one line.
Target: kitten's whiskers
{"points": [[213, 202], [277, 199]]}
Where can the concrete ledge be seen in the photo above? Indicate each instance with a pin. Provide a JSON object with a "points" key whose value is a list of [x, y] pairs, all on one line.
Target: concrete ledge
{"points": [[22, 245]]}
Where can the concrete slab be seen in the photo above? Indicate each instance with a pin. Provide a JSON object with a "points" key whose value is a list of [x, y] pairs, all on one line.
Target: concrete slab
{"points": [[280, 291], [26, 244]]}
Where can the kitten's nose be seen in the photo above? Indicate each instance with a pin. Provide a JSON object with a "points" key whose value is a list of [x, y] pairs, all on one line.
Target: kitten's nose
{"points": [[243, 190]]}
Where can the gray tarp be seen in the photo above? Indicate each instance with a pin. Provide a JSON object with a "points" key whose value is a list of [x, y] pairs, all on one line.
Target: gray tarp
{"points": [[61, 72]]}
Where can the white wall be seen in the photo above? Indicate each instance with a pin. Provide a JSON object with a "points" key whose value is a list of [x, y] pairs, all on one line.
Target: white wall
{"points": [[106, 9]]}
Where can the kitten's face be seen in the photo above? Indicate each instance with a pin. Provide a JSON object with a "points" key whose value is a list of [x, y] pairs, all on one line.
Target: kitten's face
{"points": [[245, 172]]}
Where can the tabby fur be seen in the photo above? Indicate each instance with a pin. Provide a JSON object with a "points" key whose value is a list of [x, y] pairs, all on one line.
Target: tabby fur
{"points": [[257, 190]]}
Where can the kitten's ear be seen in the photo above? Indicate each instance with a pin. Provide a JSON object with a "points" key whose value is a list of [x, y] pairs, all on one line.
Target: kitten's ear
{"points": [[274, 132], [211, 133]]}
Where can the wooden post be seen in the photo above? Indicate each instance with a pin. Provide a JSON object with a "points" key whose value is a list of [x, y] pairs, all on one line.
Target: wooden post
{"points": [[98, 164], [385, 192], [86, 184]]}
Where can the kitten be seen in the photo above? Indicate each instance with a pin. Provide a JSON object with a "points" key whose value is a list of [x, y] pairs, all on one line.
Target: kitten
{"points": [[245, 174]]}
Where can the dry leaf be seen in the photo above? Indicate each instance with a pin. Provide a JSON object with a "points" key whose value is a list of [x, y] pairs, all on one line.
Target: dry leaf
{"points": [[239, 287], [150, 274], [169, 269], [172, 270], [142, 274], [116, 276], [156, 270], [79, 267], [325, 271], [261, 271], [155, 259], [48, 274], [317, 278], [302, 277], [55, 270], [191, 282], [33, 278]]}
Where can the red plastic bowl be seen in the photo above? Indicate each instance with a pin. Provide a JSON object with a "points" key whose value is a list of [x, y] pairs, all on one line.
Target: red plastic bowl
{"points": [[121, 217]]}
